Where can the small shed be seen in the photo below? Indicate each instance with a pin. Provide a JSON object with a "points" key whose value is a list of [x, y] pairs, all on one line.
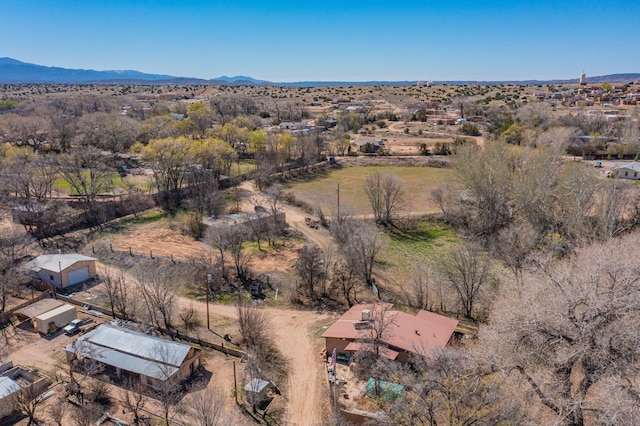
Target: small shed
{"points": [[258, 391], [54, 319], [38, 308], [63, 270]]}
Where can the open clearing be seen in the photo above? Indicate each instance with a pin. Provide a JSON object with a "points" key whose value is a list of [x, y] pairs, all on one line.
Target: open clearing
{"points": [[320, 192], [408, 249]]}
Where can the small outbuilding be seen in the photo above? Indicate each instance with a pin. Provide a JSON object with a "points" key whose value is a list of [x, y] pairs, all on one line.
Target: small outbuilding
{"points": [[63, 270], [51, 321], [30, 312], [260, 393]]}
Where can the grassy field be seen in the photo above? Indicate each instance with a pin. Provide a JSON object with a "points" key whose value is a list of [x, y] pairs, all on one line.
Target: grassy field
{"points": [[418, 247], [242, 167], [418, 182], [62, 185]]}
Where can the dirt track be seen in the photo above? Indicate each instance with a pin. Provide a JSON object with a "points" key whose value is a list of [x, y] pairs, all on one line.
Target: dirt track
{"points": [[297, 336], [294, 216]]}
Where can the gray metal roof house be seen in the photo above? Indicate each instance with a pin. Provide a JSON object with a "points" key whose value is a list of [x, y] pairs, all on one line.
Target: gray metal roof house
{"points": [[63, 270], [151, 359]]}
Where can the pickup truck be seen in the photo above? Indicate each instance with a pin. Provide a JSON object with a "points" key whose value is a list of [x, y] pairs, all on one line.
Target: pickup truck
{"points": [[75, 326]]}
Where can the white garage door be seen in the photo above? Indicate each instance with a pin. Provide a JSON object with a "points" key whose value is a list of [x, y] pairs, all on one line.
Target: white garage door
{"points": [[78, 275]]}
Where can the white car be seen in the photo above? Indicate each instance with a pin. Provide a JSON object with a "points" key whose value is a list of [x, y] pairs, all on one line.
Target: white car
{"points": [[73, 327]]}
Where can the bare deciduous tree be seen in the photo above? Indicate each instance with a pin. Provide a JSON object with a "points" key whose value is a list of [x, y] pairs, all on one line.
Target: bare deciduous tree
{"points": [[255, 325], [134, 399], [342, 224], [117, 290], [385, 193], [87, 414], [57, 410], [382, 318], [88, 175], [419, 295], [345, 276], [221, 239], [28, 401], [363, 248], [158, 292], [240, 256], [110, 132], [167, 387], [207, 408], [310, 268], [449, 387], [570, 332], [468, 270]]}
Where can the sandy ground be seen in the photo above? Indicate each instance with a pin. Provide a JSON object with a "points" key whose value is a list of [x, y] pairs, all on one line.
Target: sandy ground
{"points": [[161, 241], [297, 334]]}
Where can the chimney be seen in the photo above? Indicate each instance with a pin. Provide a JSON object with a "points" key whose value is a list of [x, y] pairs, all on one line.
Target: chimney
{"points": [[366, 315]]}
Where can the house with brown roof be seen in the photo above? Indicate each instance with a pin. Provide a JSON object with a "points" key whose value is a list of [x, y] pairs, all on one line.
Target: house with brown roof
{"points": [[401, 335]]}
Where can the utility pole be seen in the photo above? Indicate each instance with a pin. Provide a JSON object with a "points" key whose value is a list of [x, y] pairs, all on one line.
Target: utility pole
{"points": [[235, 383], [338, 192], [209, 278]]}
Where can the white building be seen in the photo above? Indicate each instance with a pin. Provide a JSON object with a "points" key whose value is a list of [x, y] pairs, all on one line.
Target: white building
{"points": [[63, 270], [628, 171]]}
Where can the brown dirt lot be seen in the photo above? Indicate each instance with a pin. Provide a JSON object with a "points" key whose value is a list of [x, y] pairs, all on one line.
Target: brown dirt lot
{"points": [[161, 241]]}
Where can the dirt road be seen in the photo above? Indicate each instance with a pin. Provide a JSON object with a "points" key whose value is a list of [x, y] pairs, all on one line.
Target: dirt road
{"points": [[294, 216], [297, 336], [295, 333]]}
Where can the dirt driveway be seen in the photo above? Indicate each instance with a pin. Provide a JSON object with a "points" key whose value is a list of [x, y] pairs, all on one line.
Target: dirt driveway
{"points": [[294, 216], [297, 334]]}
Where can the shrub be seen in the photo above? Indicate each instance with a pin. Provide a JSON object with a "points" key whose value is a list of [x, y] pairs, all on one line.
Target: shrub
{"points": [[469, 129]]}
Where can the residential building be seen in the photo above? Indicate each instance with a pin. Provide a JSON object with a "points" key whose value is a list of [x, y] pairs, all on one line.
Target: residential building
{"points": [[628, 171], [404, 334], [151, 360]]}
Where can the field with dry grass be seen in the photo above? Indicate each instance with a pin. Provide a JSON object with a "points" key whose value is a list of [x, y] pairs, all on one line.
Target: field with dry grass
{"points": [[321, 192]]}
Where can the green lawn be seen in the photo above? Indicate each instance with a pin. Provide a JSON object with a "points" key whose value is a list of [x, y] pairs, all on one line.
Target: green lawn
{"points": [[418, 182], [418, 247], [60, 184], [242, 167]]}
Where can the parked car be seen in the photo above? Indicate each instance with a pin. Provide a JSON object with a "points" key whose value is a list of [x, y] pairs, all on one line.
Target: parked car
{"points": [[597, 164], [76, 325]]}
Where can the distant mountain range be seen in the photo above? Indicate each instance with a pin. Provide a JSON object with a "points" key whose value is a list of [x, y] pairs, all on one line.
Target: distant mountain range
{"points": [[14, 71]]}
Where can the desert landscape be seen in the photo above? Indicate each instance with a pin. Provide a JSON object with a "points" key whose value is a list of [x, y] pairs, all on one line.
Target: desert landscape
{"points": [[217, 214]]}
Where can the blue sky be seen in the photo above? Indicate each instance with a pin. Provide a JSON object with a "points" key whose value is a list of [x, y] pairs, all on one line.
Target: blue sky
{"points": [[328, 40]]}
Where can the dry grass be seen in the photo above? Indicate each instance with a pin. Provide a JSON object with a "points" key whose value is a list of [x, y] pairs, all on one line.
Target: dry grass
{"points": [[320, 192]]}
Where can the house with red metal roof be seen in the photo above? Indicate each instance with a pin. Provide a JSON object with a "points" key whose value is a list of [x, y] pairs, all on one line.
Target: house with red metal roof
{"points": [[400, 334]]}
